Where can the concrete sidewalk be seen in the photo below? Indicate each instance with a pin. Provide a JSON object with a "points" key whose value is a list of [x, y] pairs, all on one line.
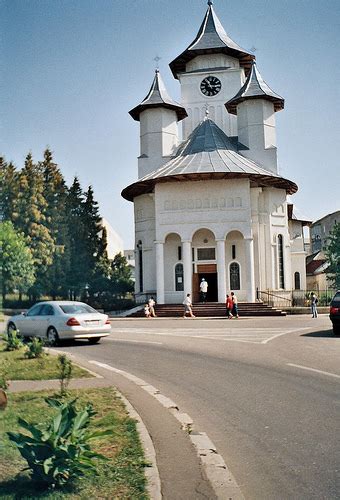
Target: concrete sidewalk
{"points": [[181, 472]]}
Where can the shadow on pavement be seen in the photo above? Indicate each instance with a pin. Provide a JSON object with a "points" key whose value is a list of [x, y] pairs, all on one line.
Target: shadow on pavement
{"points": [[322, 333]]}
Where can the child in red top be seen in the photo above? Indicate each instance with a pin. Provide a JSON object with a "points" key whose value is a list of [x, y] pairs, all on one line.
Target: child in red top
{"points": [[229, 306]]}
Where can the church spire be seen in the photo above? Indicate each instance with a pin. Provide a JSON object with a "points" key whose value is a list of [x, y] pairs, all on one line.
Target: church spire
{"points": [[211, 38], [255, 88], [158, 97]]}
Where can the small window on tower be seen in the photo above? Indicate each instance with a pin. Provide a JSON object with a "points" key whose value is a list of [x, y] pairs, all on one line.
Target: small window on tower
{"points": [[179, 253], [233, 252]]}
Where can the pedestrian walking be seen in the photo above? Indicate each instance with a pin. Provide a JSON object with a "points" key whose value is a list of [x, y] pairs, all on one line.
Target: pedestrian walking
{"points": [[313, 303], [203, 290], [229, 306], [188, 307], [152, 304], [234, 311]]}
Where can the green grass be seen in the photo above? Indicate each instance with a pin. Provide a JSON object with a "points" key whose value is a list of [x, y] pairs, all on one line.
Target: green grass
{"points": [[46, 368], [121, 478]]}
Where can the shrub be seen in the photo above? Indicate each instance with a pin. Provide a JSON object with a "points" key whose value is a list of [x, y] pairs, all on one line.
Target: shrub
{"points": [[65, 373], [12, 340], [3, 375], [59, 452], [35, 349]]}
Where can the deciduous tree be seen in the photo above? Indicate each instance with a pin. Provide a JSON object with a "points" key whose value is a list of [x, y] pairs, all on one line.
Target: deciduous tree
{"points": [[333, 256]]}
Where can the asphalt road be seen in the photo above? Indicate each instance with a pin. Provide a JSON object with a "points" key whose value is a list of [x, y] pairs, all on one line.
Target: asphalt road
{"points": [[266, 391]]}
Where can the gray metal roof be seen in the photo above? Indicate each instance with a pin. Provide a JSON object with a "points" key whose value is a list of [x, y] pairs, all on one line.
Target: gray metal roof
{"points": [[211, 38], [208, 154], [158, 97], [255, 88]]}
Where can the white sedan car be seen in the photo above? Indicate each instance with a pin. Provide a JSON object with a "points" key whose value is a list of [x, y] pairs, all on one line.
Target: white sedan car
{"points": [[61, 320]]}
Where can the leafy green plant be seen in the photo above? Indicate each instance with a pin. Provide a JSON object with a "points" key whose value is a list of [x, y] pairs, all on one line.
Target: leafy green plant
{"points": [[12, 340], [59, 452], [3, 375], [65, 372], [35, 349]]}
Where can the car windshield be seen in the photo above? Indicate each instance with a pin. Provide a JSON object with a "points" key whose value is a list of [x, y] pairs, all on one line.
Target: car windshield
{"points": [[336, 299], [77, 309]]}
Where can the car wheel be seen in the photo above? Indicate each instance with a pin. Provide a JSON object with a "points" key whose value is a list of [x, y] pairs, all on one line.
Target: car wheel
{"points": [[95, 340], [52, 336], [336, 330], [11, 326]]}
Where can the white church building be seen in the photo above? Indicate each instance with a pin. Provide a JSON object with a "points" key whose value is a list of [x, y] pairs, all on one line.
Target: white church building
{"points": [[213, 204]]}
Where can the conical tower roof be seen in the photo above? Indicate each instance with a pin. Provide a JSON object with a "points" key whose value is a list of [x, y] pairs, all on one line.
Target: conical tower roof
{"points": [[255, 88], [209, 153], [158, 97], [211, 38]]}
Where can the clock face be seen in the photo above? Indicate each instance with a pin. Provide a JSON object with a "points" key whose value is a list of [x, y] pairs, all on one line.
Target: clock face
{"points": [[210, 86]]}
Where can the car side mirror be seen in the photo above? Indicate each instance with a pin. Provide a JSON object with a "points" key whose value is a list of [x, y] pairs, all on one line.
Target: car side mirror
{"points": [[24, 313]]}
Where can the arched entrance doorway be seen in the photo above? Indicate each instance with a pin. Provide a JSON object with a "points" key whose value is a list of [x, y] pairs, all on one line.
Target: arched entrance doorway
{"points": [[204, 264]]}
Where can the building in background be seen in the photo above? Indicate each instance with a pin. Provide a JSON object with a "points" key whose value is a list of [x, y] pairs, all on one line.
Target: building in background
{"points": [[114, 241], [320, 229], [213, 205], [130, 257], [316, 264]]}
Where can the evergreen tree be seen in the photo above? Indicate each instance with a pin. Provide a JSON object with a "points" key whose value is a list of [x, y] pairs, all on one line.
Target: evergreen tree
{"points": [[9, 190], [78, 274], [30, 218], [55, 193], [100, 281], [16, 261], [333, 256], [95, 250]]}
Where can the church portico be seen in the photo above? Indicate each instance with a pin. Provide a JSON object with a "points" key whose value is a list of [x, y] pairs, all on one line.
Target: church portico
{"points": [[212, 205]]}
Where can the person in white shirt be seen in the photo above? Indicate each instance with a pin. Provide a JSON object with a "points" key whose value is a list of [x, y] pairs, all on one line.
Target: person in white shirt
{"points": [[188, 307], [203, 290], [152, 307]]}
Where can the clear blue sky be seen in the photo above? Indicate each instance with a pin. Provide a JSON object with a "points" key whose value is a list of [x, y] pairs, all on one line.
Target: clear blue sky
{"points": [[72, 69]]}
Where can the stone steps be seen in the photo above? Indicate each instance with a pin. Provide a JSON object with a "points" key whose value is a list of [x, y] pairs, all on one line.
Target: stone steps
{"points": [[213, 309]]}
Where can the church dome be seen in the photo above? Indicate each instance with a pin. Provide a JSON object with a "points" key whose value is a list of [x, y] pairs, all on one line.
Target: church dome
{"points": [[158, 97], [211, 38], [255, 88], [209, 153]]}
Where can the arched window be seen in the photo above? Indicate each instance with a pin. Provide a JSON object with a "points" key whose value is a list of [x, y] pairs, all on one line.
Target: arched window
{"points": [[140, 264], [179, 284], [234, 271], [297, 283], [280, 261]]}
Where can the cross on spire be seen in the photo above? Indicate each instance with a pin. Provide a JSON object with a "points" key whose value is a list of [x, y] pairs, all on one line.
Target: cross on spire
{"points": [[157, 59]]}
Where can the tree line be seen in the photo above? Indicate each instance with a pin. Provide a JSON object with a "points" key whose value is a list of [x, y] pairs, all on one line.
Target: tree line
{"points": [[52, 239]]}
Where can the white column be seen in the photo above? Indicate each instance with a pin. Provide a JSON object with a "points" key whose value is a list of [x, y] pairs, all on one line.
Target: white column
{"points": [[187, 267], [221, 273], [160, 271], [249, 244]]}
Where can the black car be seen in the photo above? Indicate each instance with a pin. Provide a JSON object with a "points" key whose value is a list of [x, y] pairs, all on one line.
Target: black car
{"points": [[334, 313]]}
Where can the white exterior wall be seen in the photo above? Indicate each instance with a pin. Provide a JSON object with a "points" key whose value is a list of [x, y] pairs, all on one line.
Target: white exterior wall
{"points": [[227, 70], [256, 130], [144, 208], [172, 242], [188, 207], [158, 138], [298, 254]]}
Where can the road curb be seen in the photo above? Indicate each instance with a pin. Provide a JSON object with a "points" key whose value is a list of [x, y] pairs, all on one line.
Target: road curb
{"points": [[216, 470], [151, 472]]}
